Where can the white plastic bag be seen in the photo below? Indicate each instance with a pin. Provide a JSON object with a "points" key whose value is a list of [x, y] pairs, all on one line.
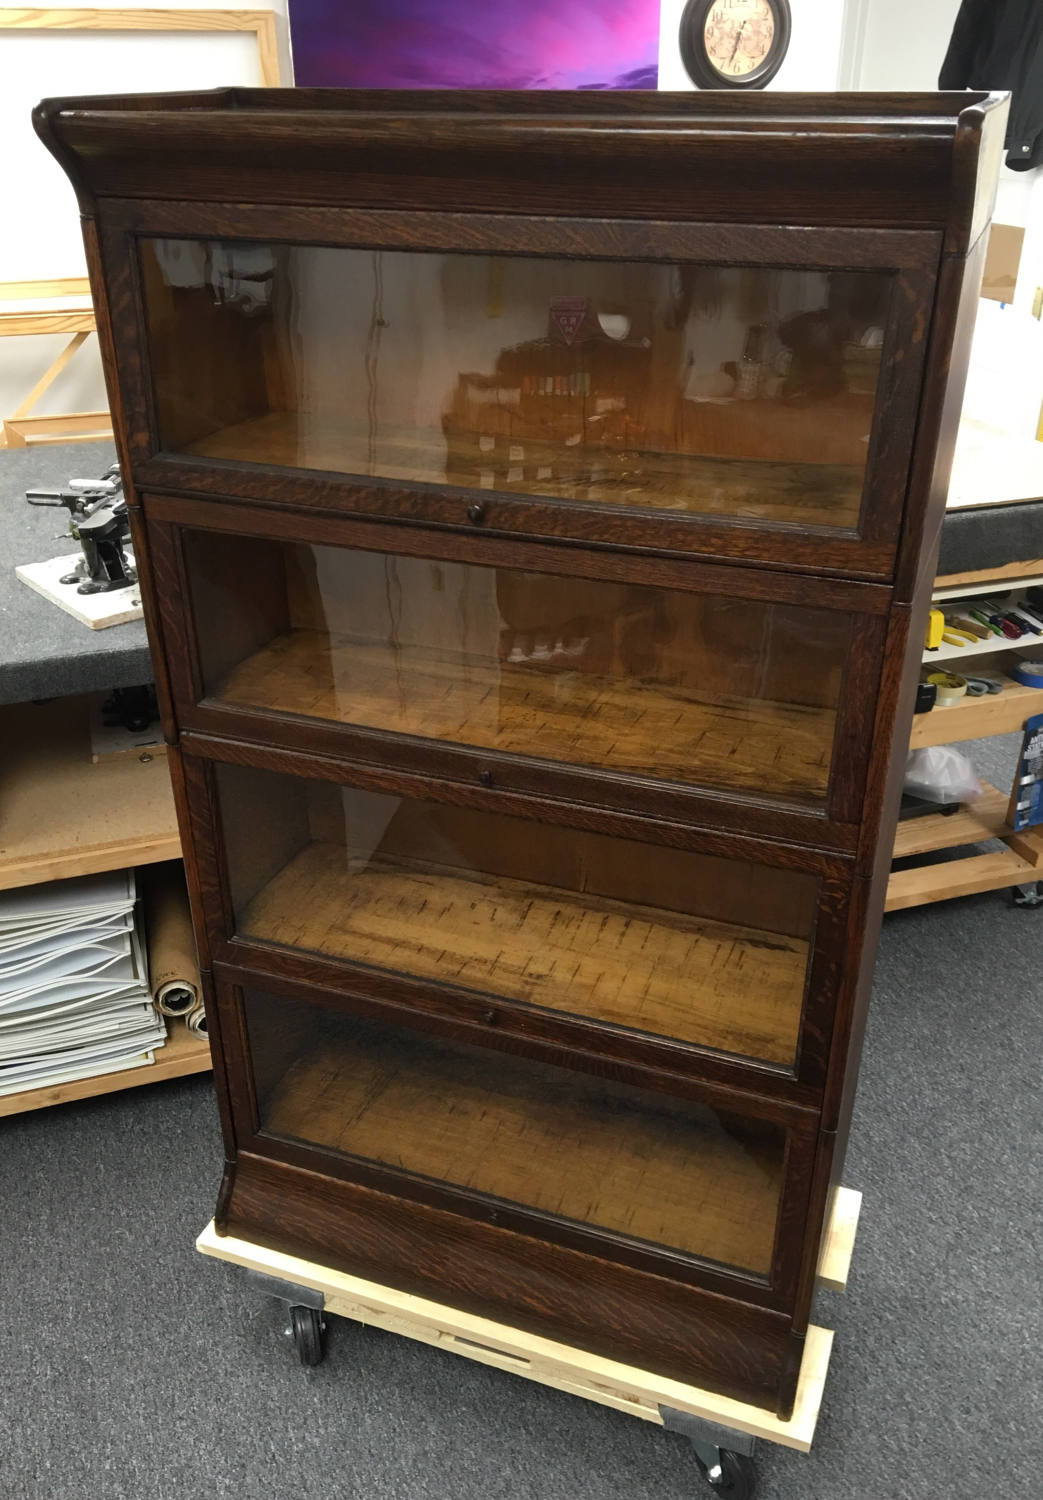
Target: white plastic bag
{"points": [[941, 774]]}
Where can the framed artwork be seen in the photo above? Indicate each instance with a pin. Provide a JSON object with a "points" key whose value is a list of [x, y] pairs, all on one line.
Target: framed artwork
{"points": [[411, 44]]}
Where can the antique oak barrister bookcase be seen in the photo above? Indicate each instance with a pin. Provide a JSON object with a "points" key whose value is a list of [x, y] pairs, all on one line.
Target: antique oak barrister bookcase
{"points": [[534, 497]]}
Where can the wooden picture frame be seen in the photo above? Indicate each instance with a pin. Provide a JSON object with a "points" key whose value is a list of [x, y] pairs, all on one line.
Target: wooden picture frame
{"points": [[57, 303]]}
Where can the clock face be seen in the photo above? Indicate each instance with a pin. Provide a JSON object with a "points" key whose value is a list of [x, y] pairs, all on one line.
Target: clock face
{"points": [[738, 36], [734, 44]]}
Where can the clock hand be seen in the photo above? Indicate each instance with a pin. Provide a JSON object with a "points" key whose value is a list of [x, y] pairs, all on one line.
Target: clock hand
{"points": [[738, 39]]}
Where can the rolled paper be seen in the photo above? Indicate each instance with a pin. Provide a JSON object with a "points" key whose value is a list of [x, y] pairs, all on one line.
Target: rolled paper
{"points": [[196, 1021], [172, 963]]}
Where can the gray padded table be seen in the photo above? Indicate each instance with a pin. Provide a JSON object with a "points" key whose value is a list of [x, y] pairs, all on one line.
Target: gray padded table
{"points": [[44, 652]]}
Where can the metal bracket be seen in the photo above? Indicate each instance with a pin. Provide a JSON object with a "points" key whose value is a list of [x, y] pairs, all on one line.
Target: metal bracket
{"points": [[702, 1433], [290, 1292]]}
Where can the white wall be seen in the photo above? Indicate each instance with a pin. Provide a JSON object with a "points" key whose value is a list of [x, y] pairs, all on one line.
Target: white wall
{"points": [[41, 236], [903, 42]]}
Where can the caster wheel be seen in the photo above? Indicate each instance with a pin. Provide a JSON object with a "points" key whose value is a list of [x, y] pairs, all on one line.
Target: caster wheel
{"points": [[1028, 896], [733, 1475], [308, 1329]]}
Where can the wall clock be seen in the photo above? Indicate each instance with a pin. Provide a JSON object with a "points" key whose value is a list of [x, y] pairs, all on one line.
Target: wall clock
{"points": [[734, 44]]}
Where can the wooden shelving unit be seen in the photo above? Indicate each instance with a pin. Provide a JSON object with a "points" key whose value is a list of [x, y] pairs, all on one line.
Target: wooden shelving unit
{"points": [[182, 1054], [1020, 860], [976, 718], [62, 815]]}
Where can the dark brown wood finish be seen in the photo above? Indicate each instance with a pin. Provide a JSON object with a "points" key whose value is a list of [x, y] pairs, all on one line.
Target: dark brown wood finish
{"points": [[831, 825], [683, 1330], [775, 1289], [900, 184], [867, 550], [800, 1084]]}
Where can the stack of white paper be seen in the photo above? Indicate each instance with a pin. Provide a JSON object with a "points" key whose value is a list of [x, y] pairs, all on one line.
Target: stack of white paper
{"points": [[74, 996]]}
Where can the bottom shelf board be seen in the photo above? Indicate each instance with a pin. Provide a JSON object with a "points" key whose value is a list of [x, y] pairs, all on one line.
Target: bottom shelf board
{"points": [[996, 871], [985, 818], [582, 1148], [606, 1381], [181, 1055]]}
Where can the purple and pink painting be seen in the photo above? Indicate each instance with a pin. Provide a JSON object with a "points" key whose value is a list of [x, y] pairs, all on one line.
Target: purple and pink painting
{"points": [[461, 44]]}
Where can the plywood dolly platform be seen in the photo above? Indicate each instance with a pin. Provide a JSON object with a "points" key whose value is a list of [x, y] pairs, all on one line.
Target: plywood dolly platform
{"points": [[722, 1432]]}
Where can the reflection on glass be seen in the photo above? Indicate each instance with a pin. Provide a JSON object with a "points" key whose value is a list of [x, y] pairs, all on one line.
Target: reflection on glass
{"points": [[704, 949], [699, 689], [592, 1150], [745, 392]]}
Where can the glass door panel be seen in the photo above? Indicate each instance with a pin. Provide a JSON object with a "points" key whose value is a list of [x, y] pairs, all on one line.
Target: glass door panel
{"points": [[700, 689], [699, 948], [590, 1150], [742, 392]]}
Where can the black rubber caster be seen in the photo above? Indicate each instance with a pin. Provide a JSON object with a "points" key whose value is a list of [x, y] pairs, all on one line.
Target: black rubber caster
{"points": [[1028, 896], [309, 1334], [733, 1475]]}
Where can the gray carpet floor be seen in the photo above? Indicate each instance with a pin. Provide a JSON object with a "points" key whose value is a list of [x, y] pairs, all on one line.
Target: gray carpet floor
{"points": [[132, 1369]]}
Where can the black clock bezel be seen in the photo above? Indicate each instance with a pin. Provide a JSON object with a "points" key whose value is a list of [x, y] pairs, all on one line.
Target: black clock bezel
{"points": [[698, 65]]}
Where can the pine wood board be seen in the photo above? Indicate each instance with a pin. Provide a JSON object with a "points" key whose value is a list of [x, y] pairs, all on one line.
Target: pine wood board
{"points": [[734, 988], [72, 287], [1028, 571], [260, 22], [608, 1382], [985, 818], [977, 718], [660, 1169], [810, 493], [180, 1055], [619, 724], [838, 1239], [961, 877], [63, 815], [20, 323]]}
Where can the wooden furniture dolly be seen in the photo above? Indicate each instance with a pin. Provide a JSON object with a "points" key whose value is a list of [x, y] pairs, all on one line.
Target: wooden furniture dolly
{"points": [[722, 1432]]}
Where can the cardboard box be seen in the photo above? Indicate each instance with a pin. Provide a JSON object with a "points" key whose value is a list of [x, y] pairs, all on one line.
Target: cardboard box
{"points": [[1002, 260]]}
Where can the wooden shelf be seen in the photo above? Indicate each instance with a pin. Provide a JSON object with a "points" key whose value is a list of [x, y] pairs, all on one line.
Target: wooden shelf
{"points": [[813, 494], [962, 877], [585, 1149], [620, 724], [732, 988], [983, 819], [181, 1055], [60, 814], [976, 718]]}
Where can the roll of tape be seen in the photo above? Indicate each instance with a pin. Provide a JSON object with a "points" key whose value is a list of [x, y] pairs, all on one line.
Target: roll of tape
{"points": [[1030, 673], [949, 688]]}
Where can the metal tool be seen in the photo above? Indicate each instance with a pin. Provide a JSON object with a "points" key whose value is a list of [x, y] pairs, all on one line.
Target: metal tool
{"points": [[98, 520]]}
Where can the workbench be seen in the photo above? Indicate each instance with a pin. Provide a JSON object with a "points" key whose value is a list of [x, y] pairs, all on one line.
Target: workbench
{"points": [[62, 815]]}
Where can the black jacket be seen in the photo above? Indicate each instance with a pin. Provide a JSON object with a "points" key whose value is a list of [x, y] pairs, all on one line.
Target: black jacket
{"points": [[998, 44]]}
